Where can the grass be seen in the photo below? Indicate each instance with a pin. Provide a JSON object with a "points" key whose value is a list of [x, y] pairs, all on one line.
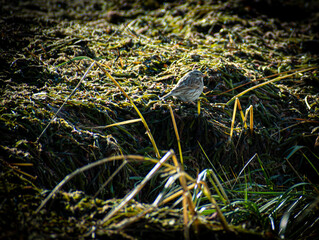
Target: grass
{"points": [[80, 114], [251, 206]]}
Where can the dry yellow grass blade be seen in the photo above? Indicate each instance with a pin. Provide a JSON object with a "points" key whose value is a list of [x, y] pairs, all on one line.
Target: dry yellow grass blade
{"points": [[119, 123], [270, 81], [176, 134], [198, 107], [251, 118], [233, 120], [138, 188], [213, 201], [148, 131], [176, 195], [20, 171], [92, 165], [243, 117]]}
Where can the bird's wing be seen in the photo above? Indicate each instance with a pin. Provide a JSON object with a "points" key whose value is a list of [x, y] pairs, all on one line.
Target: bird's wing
{"points": [[189, 81], [183, 81], [182, 88]]}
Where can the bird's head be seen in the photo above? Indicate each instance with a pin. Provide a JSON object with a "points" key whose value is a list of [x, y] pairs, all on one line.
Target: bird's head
{"points": [[197, 73]]}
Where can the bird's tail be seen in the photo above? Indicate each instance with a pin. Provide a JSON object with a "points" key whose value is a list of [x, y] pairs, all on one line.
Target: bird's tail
{"points": [[165, 96]]}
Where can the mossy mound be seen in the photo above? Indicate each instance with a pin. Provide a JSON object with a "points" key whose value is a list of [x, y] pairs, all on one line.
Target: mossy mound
{"points": [[46, 47]]}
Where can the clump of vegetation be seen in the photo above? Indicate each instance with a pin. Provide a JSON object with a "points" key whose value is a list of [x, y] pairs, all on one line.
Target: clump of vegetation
{"points": [[89, 150]]}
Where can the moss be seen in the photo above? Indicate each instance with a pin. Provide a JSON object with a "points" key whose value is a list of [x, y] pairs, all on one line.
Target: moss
{"points": [[147, 47]]}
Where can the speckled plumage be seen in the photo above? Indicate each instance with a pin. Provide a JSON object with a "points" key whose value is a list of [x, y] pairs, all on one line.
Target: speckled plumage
{"points": [[189, 87]]}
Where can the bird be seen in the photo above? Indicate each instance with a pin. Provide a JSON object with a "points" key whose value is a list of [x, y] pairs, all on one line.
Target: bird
{"points": [[188, 88]]}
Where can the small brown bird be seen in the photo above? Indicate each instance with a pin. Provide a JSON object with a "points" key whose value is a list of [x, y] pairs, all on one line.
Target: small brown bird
{"points": [[189, 87]]}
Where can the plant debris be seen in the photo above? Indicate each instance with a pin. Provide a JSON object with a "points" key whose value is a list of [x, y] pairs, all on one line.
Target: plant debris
{"points": [[46, 48]]}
